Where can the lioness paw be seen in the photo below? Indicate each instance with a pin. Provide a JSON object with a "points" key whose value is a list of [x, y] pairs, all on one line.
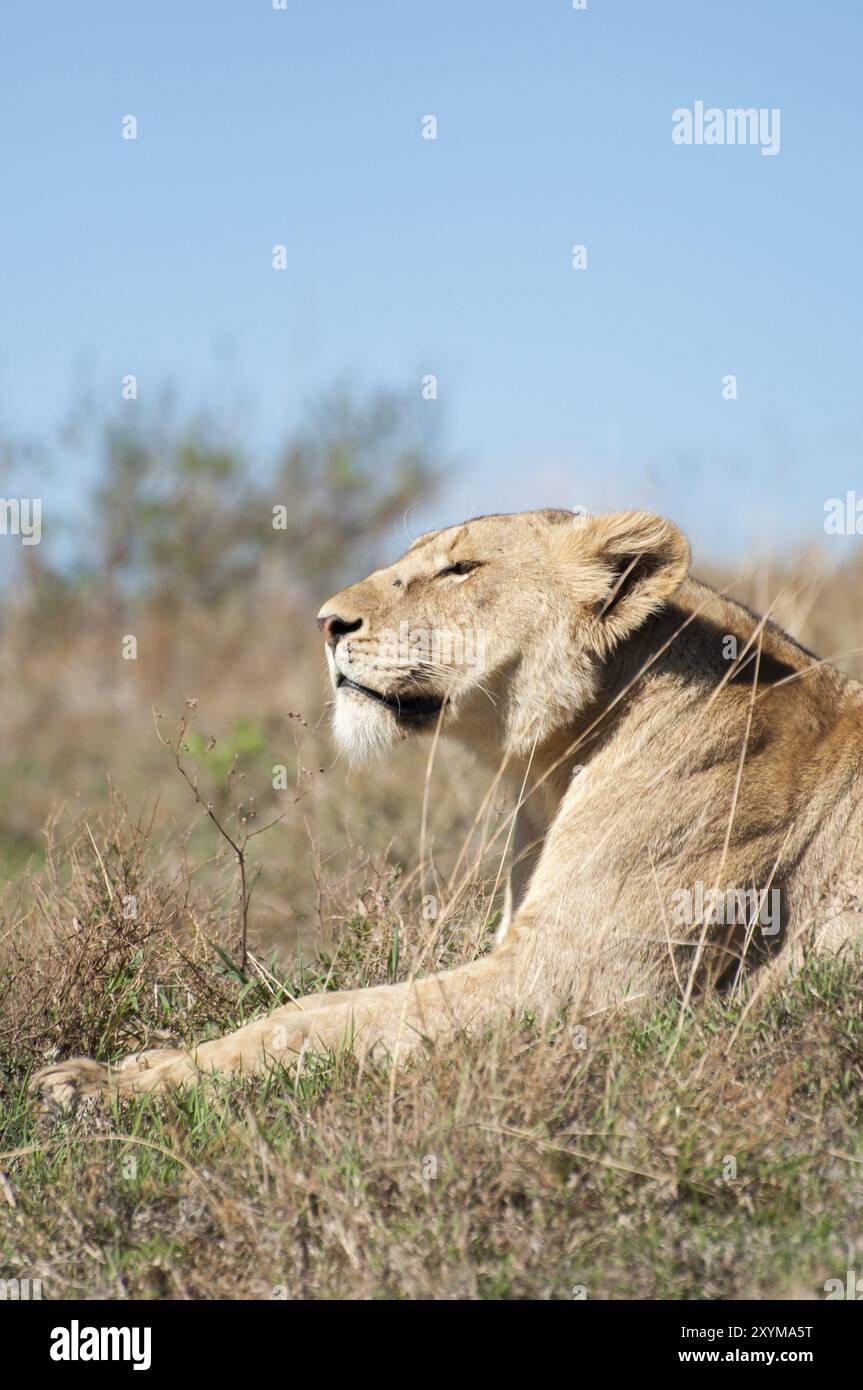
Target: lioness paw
{"points": [[67, 1083]]}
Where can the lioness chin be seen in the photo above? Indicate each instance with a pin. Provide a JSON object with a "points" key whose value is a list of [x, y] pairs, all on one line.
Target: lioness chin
{"points": [[687, 781]]}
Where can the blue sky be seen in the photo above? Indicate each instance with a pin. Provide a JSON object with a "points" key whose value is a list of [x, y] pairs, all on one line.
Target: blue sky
{"points": [[599, 387]]}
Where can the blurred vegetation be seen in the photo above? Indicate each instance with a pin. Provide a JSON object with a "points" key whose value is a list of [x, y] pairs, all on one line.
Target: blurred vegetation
{"points": [[174, 543], [180, 514]]}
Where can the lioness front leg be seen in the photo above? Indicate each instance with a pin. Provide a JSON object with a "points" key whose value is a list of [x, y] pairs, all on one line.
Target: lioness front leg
{"points": [[389, 1019]]}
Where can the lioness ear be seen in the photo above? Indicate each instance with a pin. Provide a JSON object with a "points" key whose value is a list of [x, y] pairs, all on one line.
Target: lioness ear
{"points": [[635, 561]]}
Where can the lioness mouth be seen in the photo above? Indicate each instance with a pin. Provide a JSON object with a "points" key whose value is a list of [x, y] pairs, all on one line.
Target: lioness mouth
{"points": [[405, 707]]}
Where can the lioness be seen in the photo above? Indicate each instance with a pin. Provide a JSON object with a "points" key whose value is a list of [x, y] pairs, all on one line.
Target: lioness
{"points": [[688, 780]]}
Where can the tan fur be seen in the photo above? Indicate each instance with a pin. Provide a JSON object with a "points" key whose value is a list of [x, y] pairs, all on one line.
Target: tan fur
{"points": [[648, 758]]}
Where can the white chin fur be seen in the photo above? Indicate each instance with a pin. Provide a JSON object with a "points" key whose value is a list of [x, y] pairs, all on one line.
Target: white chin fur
{"points": [[362, 729]]}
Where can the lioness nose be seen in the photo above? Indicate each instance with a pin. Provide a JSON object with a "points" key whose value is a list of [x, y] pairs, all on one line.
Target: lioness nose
{"points": [[333, 627]]}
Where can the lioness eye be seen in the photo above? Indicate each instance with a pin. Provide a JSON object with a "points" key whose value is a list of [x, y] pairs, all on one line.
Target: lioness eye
{"points": [[460, 567]]}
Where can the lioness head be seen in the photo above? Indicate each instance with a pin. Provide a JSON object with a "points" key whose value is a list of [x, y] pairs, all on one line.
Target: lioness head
{"points": [[498, 629]]}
